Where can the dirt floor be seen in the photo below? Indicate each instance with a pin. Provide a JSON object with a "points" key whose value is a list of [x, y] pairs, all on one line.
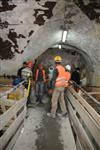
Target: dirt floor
{"points": [[43, 133]]}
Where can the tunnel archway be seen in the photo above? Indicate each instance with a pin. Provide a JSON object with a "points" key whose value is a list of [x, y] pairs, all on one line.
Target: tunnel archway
{"points": [[85, 55], [88, 63], [70, 55]]}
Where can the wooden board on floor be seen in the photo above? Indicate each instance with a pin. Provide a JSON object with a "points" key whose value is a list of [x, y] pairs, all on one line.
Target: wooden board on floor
{"points": [[87, 118], [80, 132], [70, 141]]}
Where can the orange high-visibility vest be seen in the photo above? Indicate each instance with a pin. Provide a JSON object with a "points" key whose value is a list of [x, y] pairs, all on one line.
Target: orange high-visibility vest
{"points": [[60, 81], [43, 72]]}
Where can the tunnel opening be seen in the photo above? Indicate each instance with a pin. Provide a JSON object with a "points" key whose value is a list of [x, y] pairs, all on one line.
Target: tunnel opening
{"points": [[72, 56]]}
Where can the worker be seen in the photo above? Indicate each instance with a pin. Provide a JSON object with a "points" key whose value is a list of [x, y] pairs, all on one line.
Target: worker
{"points": [[58, 83], [76, 78], [68, 74], [16, 80], [40, 79], [30, 64], [19, 72], [50, 74], [51, 68], [26, 74], [34, 68]]}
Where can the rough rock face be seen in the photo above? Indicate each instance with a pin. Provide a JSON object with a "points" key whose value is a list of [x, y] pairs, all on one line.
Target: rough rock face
{"points": [[29, 27], [90, 8], [18, 20], [68, 57]]}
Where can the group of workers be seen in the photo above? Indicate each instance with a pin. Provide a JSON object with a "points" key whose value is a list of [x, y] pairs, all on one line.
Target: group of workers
{"points": [[58, 80]]}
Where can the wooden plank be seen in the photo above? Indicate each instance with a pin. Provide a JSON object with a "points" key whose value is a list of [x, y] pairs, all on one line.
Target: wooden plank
{"points": [[67, 134], [78, 144], [4, 118], [94, 93], [87, 118], [7, 102], [3, 107], [12, 89], [79, 130], [91, 111], [11, 130], [14, 138]]}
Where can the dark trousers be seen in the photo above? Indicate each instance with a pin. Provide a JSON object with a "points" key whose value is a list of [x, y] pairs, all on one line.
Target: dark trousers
{"points": [[39, 90]]}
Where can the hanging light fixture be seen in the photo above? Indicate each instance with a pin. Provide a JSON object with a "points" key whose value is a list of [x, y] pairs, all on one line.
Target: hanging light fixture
{"points": [[59, 46], [64, 35], [64, 27]]}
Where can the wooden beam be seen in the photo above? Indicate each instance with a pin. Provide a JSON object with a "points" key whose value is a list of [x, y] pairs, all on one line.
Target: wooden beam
{"points": [[89, 121], [90, 109], [79, 130], [11, 130], [11, 112]]}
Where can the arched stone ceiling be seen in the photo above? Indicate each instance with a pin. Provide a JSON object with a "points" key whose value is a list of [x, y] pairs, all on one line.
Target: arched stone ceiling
{"points": [[84, 31], [86, 58], [29, 27]]}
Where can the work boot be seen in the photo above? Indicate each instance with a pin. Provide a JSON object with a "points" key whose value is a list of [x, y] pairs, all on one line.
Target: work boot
{"points": [[65, 115], [51, 115], [37, 98], [62, 114], [41, 102]]}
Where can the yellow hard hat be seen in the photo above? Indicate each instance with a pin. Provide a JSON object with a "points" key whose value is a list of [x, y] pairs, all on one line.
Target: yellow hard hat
{"points": [[58, 59]]}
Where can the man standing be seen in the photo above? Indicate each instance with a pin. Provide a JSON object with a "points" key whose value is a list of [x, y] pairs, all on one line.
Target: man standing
{"points": [[68, 74], [19, 72], [58, 83], [76, 78], [40, 78]]}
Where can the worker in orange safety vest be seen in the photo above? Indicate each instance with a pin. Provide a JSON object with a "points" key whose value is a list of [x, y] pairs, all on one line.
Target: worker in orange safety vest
{"points": [[40, 79], [58, 83]]}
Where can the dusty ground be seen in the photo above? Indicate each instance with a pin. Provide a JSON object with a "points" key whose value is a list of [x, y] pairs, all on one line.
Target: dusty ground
{"points": [[43, 133]]}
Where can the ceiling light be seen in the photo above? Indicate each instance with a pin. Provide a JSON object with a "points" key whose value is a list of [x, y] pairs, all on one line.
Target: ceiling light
{"points": [[64, 35], [59, 46]]}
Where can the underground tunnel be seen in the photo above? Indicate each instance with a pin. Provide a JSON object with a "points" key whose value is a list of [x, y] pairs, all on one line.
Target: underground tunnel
{"points": [[40, 30]]}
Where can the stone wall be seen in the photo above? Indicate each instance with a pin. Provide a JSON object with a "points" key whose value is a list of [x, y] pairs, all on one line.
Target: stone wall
{"points": [[23, 31], [29, 27]]}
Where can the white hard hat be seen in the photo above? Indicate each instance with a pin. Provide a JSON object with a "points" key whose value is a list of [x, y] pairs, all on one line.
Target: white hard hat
{"points": [[68, 67]]}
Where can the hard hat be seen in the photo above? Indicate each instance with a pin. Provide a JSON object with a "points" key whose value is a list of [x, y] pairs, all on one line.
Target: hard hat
{"points": [[58, 59], [30, 64], [68, 67]]}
